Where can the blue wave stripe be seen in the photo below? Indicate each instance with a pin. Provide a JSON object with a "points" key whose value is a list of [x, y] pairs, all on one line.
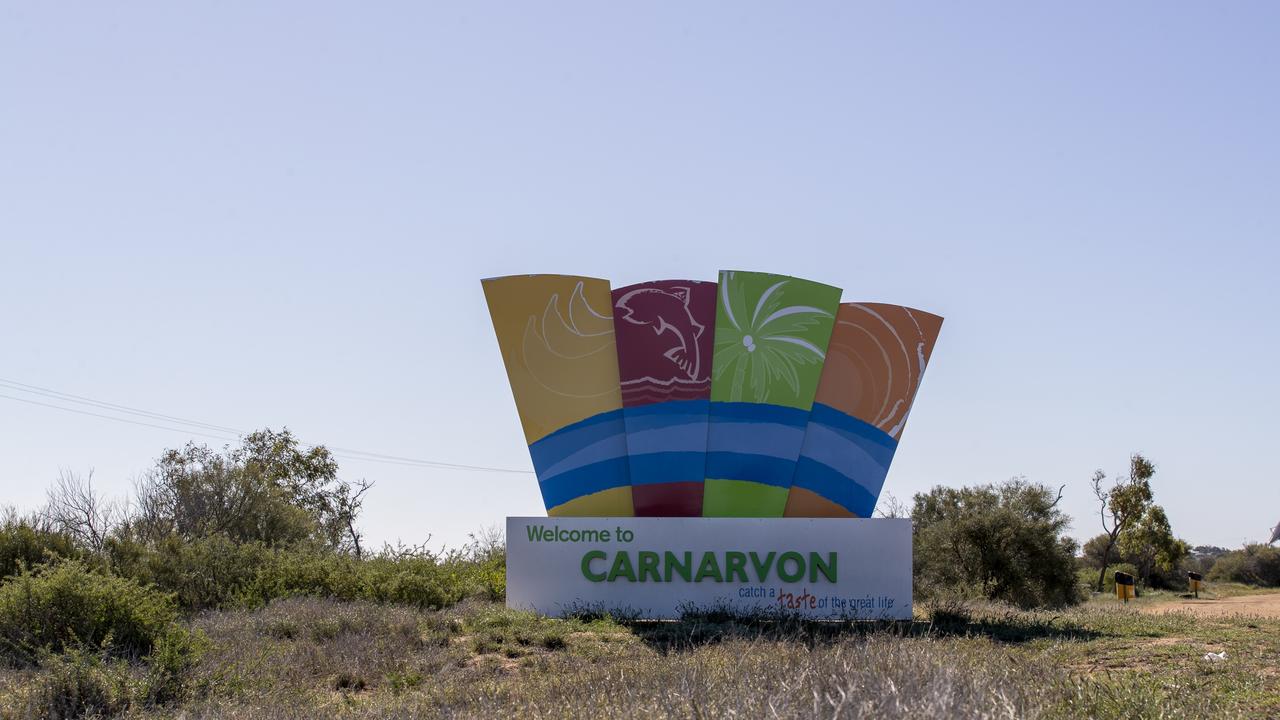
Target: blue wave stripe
{"points": [[757, 468], [584, 481], [780, 442], [844, 460], [852, 456], [686, 437], [667, 442], [753, 441], [836, 487], [667, 467], [583, 458], [837, 420], [570, 439]]}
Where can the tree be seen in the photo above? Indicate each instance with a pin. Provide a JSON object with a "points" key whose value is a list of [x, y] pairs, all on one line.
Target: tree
{"points": [[1002, 542], [1150, 545], [73, 507], [270, 490], [1092, 550], [1121, 505]]}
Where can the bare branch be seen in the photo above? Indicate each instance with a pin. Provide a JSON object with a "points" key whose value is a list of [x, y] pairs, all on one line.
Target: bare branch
{"points": [[891, 507], [1059, 498], [75, 508]]}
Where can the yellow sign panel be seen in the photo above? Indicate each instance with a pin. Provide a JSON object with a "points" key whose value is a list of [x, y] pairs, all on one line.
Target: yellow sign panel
{"points": [[557, 341]]}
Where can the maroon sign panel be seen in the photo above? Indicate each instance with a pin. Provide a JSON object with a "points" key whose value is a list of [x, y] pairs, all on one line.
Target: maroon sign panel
{"points": [[665, 331]]}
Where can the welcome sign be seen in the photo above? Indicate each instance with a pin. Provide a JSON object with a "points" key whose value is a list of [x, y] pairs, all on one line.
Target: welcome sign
{"points": [[823, 569], [709, 444]]}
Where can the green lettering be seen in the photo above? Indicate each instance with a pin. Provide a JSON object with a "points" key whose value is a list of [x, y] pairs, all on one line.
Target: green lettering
{"points": [[708, 568], [683, 569], [828, 568], [762, 569], [535, 533], [586, 565], [622, 567], [735, 562], [782, 566], [649, 565]]}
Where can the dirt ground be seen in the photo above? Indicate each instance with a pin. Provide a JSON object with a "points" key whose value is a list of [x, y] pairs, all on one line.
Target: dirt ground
{"points": [[1262, 605]]}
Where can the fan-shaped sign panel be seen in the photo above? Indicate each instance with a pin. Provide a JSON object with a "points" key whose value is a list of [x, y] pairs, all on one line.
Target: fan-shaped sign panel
{"points": [[875, 362], [770, 344], [664, 330], [556, 335]]}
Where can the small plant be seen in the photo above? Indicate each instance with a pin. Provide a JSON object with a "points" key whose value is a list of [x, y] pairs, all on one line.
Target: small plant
{"points": [[401, 681]]}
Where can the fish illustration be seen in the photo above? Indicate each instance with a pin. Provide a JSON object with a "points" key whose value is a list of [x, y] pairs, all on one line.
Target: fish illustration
{"points": [[667, 311]]}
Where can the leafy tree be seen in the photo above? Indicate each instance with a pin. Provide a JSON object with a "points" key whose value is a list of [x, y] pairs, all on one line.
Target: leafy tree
{"points": [[269, 490], [1093, 549], [1150, 545], [1003, 542], [1122, 504]]}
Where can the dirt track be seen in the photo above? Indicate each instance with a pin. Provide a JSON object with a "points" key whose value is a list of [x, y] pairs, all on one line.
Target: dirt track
{"points": [[1264, 605]]}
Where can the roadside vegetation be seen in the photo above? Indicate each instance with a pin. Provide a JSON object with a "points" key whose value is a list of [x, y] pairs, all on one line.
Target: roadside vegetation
{"points": [[237, 583]]}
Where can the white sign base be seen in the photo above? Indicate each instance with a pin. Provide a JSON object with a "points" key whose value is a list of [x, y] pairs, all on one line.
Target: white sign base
{"points": [[662, 568]]}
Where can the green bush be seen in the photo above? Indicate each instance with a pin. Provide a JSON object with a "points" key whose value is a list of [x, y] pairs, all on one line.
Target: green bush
{"points": [[999, 542], [215, 572], [23, 545], [54, 607], [1254, 565], [174, 656], [211, 572], [421, 581]]}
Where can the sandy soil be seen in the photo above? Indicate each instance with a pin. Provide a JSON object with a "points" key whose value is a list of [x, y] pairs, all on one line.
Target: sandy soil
{"points": [[1264, 605]]}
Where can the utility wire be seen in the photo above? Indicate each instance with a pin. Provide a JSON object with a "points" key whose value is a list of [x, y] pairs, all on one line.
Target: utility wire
{"points": [[79, 399], [207, 429], [109, 417]]}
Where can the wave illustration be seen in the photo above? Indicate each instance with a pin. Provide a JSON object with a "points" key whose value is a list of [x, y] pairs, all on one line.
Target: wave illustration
{"points": [[755, 396]]}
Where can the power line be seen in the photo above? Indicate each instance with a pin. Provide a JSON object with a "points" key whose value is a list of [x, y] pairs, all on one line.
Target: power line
{"points": [[36, 390], [204, 428], [109, 417]]}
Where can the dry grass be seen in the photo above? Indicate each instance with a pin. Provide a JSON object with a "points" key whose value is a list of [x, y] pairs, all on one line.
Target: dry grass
{"points": [[327, 659]]}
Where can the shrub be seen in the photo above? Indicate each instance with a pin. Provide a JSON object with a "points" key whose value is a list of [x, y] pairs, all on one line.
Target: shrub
{"points": [[210, 572], [1254, 565], [174, 656], [1000, 542], [215, 572], [54, 607], [22, 544]]}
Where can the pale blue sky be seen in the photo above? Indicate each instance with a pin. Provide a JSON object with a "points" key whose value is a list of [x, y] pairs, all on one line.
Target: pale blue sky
{"points": [[278, 214]]}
